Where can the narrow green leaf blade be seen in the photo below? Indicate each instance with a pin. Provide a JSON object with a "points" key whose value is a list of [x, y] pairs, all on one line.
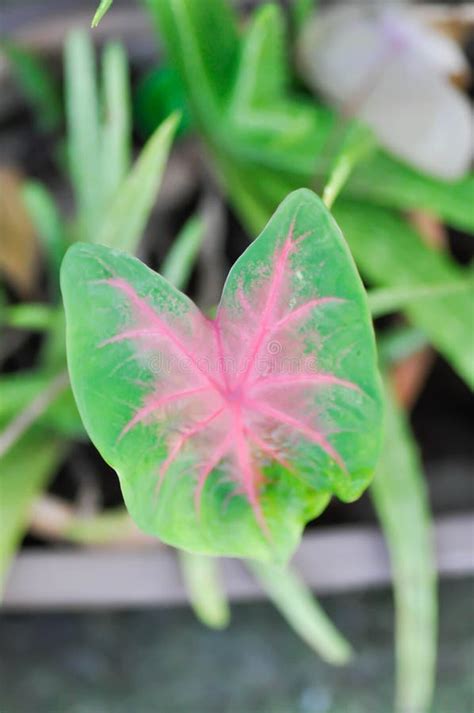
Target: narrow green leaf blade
{"points": [[263, 72], [201, 577], [124, 222], [36, 83], [401, 502], [201, 38], [386, 300], [47, 221], [100, 12], [302, 612], [158, 94], [399, 343], [24, 472], [180, 260], [357, 144], [301, 12], [116, 132], [83, 130], [34, 316], [385, 181], [25, 419], [392, 254], [22, 388]]}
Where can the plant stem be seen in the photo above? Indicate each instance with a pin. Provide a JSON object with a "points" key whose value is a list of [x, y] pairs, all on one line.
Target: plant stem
{"points": [[200, 575], [401, 502], [302, 611]]}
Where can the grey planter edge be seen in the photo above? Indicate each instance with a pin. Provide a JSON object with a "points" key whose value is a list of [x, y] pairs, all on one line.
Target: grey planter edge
{"points": [[331, 560]]}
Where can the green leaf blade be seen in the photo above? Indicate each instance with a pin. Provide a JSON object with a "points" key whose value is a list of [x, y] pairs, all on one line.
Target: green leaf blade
{"points": [[205, 66], [83, 129], [116, 132], [47, 221], [385, 181], [36, 83], [401, 502], [207, 598], [303, 612], [24, 472], [125, 220], [392, 254], [180, 260], [104, 6]]}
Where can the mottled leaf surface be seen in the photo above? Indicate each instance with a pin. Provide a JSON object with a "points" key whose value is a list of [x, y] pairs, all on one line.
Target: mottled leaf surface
{"points": [[228, 435]]}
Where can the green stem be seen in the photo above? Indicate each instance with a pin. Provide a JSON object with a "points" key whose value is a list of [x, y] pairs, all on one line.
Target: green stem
{"points": [[357, 145], [200, 574], [401, 502], [302, 611]]}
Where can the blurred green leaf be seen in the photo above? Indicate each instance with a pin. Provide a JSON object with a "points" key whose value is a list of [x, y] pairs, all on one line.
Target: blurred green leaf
{"points": [[401, 502], [301, 12], [259, 131], [260, 88], [385, 181], [35, 317], [116, 131], [358, 143], [158, 94], [99, 131], [32, 411], [83, 130], [399, 343], [180, 260], [391, 253], [302, 611], [21, 388], [112, 526], [202, 40], [264, 141], [201, 577], [238, 91], [36, 83], [100, 12], [49, 226], [123, 224], [24, 472], [392, 299]]}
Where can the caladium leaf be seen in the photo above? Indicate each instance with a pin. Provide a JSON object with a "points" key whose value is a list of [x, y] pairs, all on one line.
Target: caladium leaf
{"points": [[228, 435]]}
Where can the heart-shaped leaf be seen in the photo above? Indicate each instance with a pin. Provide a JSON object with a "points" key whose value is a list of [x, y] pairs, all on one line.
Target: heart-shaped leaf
{"points": [[228, 435]]}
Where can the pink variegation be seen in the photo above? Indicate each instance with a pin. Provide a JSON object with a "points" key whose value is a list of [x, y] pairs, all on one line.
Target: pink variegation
{"points": [[239, 404], [228, 434]]}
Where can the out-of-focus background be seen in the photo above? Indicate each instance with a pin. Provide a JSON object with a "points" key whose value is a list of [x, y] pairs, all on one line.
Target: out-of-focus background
{"points": [[96, 617]]}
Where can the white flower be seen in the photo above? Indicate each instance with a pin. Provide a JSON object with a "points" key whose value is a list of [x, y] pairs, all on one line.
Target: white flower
{"points": [[383, 66]]}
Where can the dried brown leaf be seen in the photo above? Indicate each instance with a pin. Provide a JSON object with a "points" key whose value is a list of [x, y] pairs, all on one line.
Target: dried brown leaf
{"points": [[18, 246]]}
